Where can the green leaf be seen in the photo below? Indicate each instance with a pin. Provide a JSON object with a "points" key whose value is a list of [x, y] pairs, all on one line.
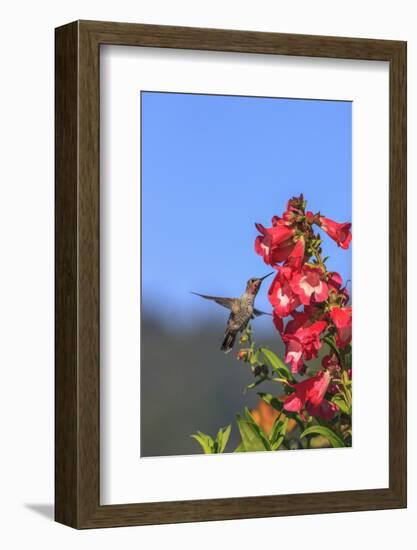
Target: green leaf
{"points": [[319, 442], [257, 428], [341, 403], [251, 438], [278, 433], [345, 379], [206, 442], [240, 448], [254, 358], [223, 437], [279, 366], [271, 400], [211, 446], [334, 439], [276, 430], [248, 415]]}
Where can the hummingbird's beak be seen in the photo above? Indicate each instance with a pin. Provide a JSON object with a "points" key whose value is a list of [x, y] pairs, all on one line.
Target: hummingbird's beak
{"points": [[262, 278]]}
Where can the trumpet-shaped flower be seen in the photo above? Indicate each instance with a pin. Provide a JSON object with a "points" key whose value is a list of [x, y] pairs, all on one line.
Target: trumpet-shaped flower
{"points": [[309, 284], [309, 394], [334, 282], [326, 410], [280, 293], [296, 258], [275, 243], [342, 319], [303, 344], [339, 232]]}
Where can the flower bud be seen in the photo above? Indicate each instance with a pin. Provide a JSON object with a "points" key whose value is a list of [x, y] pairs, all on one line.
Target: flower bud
{"points": [[332, 389], [310, 217], [244, 354]]}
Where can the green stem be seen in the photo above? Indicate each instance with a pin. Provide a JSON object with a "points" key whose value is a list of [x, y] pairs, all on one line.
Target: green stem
{"points": [[281, 380]]}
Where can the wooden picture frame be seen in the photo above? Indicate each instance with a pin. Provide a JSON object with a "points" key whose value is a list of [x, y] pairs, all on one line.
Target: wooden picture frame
{"points": [[77, 403]]}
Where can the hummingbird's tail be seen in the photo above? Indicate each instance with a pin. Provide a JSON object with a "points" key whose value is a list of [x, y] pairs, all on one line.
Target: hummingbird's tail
{"points": [[228, 341]]}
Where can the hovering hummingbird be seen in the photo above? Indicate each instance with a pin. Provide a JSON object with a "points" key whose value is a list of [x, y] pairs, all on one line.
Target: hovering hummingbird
{"points": [[242, 310]]}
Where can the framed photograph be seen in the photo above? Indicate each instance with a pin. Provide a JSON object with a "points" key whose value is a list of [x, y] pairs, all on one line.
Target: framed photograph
{"points": [[230, 274]]}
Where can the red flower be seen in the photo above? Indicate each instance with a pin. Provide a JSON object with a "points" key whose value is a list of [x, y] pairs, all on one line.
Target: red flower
{"points": [[326, 410], [278, 322], [310, 394], [308, 284], [331, 363], [342, 319], [303, 344], [296, 258], [282, 298], [309, 217], [339, 232], [302, 319], [275, 243], [334, 282]]}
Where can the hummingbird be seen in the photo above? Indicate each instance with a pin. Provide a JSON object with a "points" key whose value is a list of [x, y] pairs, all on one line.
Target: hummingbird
{"points": [[242, 310]]}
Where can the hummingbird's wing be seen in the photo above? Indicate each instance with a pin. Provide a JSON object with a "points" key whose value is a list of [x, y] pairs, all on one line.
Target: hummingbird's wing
{"points": [[258, 312], [225, 302]]}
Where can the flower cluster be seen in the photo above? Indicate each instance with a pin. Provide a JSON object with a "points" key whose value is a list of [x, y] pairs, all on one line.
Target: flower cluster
{"points": [[311, 310], [310, 303]]}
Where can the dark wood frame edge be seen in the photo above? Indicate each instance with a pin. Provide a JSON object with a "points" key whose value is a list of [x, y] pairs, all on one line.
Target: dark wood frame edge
{"points": [[77, 274]]}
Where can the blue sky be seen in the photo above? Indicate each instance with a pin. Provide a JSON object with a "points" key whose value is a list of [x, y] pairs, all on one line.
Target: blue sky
{"points": [[212, 166]]}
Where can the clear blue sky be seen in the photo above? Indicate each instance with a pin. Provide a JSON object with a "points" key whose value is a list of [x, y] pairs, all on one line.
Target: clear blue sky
{"points": [[212, 166]]}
